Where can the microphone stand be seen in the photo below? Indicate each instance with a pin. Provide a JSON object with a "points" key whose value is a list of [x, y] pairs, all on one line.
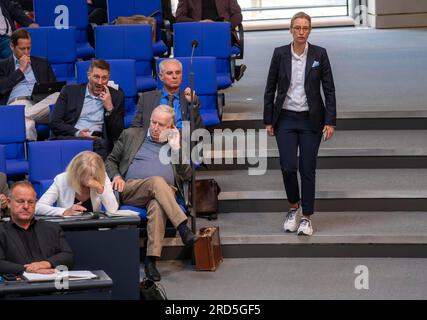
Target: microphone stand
{"points": [[192, 143]]}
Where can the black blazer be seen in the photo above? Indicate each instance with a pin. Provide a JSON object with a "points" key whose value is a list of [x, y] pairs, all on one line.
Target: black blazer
{"points": [[53, 245], [151, 99], [69, 106], [13, 13], [9, 77], [279, 78]]}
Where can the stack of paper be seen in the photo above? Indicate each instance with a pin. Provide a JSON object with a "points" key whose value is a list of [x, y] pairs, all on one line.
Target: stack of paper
{"points": [[72, 275], [122, 213]]}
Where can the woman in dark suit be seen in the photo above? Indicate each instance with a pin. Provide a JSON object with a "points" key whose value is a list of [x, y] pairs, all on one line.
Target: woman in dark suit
{"points": [[295, 113]]}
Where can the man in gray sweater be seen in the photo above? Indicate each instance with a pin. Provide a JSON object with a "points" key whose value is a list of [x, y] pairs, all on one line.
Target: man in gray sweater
{"points": [[144, 180]]}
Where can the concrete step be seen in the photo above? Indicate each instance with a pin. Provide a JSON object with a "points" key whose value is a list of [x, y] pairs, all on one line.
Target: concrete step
{"points": [[297, 279], [336, 234], [413, 118], [336, 189], [239, 149]]}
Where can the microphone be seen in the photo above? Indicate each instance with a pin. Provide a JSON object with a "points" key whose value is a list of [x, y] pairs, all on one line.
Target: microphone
{"points": [[194, 43]]}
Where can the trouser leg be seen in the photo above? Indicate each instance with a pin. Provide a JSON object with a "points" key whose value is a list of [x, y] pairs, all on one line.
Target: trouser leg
{"points": [[287, 142], [142, 193], [309, 147]]}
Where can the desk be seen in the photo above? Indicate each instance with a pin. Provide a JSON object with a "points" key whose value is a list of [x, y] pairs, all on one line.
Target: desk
{"points": [[110, 244], [93, 289]]}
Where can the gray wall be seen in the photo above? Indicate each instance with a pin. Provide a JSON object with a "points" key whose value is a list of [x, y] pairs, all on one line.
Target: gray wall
{"points": [[397, 13]]}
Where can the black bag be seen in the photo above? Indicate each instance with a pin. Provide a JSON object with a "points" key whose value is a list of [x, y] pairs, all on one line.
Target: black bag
{"points": [[149, 290], [207, 191]]}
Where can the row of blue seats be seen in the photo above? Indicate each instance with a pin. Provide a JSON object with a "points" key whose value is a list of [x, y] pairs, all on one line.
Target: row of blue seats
{"points": [[75, 13], [135, 42]]}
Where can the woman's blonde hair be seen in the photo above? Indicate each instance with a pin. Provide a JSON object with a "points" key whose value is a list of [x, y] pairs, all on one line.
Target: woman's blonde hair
{"points": [[84, 165]]}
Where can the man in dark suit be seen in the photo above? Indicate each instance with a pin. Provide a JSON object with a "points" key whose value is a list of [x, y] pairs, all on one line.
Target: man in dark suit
{"points": [[170, 73], [211, 11], [297, 116], [90, 111], [18, 74], [9, 13], [142, 177], [27, 244]]}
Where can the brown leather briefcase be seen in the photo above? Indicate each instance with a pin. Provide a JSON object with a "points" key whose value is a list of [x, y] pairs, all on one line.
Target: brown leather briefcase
{"points": [[207, 249], [207, 191]]}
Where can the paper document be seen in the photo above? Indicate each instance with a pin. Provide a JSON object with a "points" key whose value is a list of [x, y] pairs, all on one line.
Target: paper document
{"points": [[72, 275], [122, 213]]}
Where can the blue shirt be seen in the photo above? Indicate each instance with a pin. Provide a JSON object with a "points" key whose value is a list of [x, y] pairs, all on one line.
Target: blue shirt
{"points": [[25, 87], [92, 116], [147, 163], [176, 106]]}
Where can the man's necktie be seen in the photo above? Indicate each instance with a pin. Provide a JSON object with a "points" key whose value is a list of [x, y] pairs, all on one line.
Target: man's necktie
{"points": [[170, 100]]}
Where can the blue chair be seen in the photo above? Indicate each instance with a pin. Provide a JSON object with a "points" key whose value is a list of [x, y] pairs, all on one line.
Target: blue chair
{"points": [[122, 72], [152, 8], [49, 158], [59, 12], [58, 46], [214, 40], [130, 42], [2, 158], [12, 136], [205, 86]]}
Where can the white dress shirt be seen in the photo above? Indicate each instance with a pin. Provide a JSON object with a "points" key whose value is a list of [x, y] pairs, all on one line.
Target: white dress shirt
{"points": [[296, 99], [64, 195]]}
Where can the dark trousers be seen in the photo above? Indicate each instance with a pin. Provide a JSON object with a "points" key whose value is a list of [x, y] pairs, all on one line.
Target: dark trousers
{"points": [[294, 131]]}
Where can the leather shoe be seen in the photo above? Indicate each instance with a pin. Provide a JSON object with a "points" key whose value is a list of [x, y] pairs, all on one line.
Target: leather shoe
{"points": [[189, 238], [239, 71], [151, 272]]}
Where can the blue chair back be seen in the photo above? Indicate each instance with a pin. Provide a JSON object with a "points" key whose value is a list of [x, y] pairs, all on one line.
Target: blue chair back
{"points": [[214, 40], [205, 85], [126, 47], [49, 158], [122, 72], [153, 8], [12, 136], [62, 12], [59, 47]]}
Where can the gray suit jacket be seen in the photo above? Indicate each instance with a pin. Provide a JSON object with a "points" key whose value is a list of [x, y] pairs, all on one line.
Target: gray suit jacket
{"points": [[151, 99], [53, 245], [124, 151]]}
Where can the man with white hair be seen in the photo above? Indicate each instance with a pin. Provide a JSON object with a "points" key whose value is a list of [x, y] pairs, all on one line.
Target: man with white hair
{"points": [[144, 180], [170, 73]]}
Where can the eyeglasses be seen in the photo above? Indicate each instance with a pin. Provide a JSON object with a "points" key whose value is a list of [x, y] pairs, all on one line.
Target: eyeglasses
{"points": [[299, 28]]}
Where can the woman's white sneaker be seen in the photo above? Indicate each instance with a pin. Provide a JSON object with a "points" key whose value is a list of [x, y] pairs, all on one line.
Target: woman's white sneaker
{"points": [[305, 228], [291, 220]]}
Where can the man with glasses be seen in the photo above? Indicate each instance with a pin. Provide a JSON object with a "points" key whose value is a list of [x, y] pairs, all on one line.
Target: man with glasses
{"points": [[295, 113], [90, 111], [27, 244], [170, 73]]}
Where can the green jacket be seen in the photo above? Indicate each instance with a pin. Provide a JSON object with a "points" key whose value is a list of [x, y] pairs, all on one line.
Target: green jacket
{"points": [[124, 151]]}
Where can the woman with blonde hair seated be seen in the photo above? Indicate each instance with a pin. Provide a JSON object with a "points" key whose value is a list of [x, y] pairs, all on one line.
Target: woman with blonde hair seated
{"points": [[83, 187]]}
